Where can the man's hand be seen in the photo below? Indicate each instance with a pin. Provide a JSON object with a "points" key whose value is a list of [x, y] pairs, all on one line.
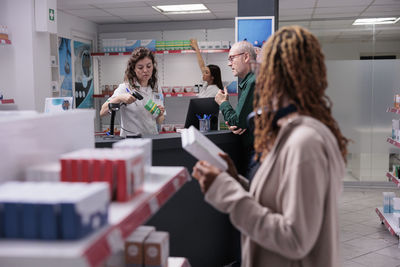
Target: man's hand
{"points": [[222, 96], [205, 173], [235, 129]]}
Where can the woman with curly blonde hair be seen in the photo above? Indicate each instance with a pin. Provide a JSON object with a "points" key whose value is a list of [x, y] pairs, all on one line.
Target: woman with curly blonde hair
{"points": [[288, 215]]}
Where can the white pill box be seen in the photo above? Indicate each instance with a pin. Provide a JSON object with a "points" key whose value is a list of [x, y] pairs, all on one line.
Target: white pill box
{"points": [[134, 144], [199, 146], [52, 211]]}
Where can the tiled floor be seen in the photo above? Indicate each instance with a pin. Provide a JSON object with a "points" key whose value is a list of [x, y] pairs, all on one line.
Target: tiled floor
{"points": [[364, 240]]}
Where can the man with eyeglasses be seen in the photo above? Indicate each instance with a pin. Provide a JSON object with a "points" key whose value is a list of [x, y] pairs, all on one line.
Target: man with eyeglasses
{"points": [[241, 55]]}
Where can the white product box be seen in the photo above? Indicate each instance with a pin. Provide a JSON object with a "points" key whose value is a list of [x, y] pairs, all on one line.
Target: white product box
{"points": [[202, 45], [46, 172], [52, 211], [396, 204], [199, 146], [388, 202], [217, 44], [50, 135], [58, 104], [143, 143], [130, 45], [225, 44]]}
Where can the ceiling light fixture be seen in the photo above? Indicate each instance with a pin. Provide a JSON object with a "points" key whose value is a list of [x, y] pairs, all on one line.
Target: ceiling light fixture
{"points": [[376, 21], [182, 9]]}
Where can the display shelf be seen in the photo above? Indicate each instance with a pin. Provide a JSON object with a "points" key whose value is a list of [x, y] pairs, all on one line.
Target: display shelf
{"points": [[393, 110], [393, 142], [178, 262], [165, 52], [389, 220], [393, 179], [5, 41], [160, 184]]}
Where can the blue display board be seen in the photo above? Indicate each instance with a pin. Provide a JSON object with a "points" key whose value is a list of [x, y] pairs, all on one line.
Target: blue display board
{"points": [[255, 30]]}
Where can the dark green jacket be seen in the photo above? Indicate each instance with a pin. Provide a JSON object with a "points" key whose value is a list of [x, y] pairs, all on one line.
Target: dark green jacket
{"points": [[244, 107]]}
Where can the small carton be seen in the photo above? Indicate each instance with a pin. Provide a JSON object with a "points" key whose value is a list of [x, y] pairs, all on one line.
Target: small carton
{"points": [[134, 246], [225, 44], [188, 89], [156, 248], [199, 146], [149, 43], [130, 45], [217, 44], [177, 89], [202, 45]]}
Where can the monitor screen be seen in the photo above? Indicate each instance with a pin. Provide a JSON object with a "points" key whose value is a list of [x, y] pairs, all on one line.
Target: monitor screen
{"points": [[255, 30], [201, 106]]}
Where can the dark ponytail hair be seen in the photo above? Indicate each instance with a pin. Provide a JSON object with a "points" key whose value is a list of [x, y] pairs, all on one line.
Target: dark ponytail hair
{"points": [[215, 72]]}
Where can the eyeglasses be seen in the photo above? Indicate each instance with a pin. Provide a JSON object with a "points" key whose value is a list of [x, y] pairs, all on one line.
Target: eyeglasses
{"points": [[230, 58]]}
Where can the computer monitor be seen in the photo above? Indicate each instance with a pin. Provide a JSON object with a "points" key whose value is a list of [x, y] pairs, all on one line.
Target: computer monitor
{"points": [[201, 106]]}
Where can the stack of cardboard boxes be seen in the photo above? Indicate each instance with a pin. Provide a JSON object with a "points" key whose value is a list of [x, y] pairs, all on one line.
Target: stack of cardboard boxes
{"points": [[146, 247]]}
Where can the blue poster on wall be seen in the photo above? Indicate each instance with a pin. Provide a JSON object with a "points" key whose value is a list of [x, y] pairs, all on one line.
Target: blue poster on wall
{"points": [[83, 75], [65, 67], [255, 30]]}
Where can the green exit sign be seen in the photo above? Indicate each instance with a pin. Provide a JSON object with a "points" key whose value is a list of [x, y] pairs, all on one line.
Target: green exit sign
{"points": [[51, 14]]}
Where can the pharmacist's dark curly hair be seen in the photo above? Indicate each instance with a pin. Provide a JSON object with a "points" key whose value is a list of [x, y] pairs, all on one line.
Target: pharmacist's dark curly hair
{"points": [[292, 68], [130, 75]]}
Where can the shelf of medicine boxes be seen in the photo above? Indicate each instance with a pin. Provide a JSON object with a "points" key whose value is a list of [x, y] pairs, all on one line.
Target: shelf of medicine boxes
{"points": [[393, 110], [393, 179], [390, 221], [5, 41], [160, 184], [165, 52]]}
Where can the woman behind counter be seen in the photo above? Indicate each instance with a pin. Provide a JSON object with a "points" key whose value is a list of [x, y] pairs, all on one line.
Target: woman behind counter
{"points": [[212, 82], [140, 75], [288, 215]]}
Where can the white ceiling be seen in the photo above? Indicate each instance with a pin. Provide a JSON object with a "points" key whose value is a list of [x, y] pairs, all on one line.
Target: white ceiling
{"points": [[330, 20]]}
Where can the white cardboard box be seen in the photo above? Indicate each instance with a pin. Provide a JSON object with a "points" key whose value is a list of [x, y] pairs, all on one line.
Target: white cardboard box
{"points": [[199, 146]]}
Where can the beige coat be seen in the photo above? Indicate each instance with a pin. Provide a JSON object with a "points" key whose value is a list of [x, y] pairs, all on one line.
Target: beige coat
{"points": [[289, 217]]}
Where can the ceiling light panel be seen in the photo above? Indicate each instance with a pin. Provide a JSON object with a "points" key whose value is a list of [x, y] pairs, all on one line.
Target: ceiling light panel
{"points": [[182, 9], [370, 21]]}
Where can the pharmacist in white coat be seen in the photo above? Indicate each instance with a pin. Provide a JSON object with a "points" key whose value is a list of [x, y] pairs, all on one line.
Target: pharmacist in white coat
{"points": [[212, 82], [138, 116]]}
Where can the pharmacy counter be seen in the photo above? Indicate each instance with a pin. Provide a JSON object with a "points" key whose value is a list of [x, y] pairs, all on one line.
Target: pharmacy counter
{"points": [[198, 232]]}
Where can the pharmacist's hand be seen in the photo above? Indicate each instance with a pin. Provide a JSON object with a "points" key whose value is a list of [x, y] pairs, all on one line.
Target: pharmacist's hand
{"points": [[235, 129], [162, 109], [231, 166], [193, 43], [205, 173], [222, 96], [127, 98]]}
